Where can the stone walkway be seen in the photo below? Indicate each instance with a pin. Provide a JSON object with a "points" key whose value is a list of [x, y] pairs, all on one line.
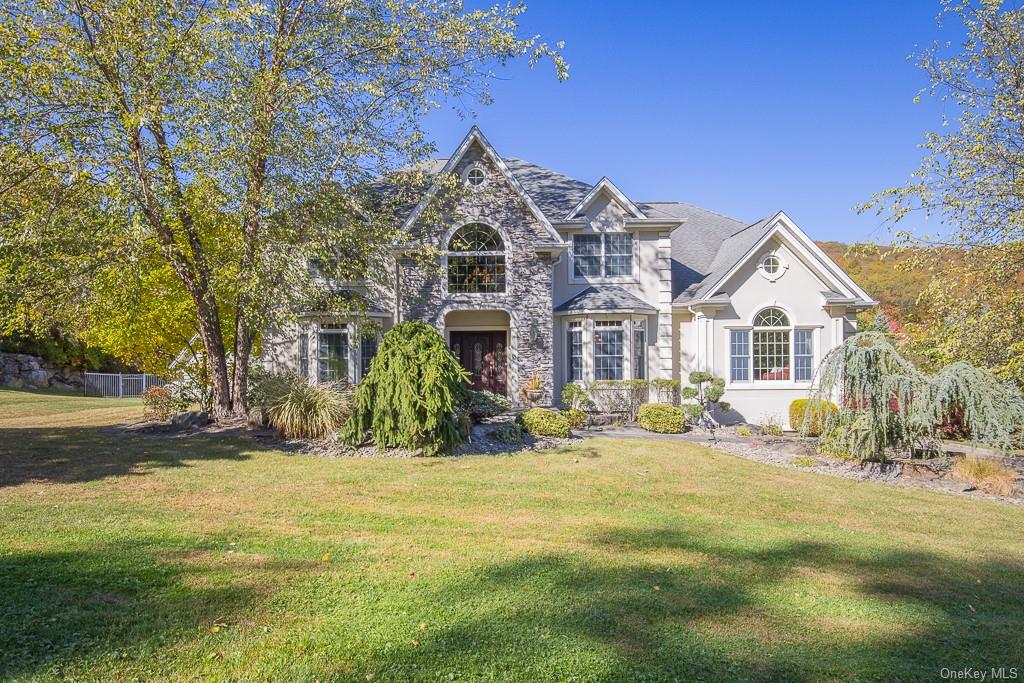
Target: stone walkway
{"points": [[783, 451]]}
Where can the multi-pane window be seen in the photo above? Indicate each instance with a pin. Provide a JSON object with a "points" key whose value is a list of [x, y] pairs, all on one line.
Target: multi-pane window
{"points": [[739, 353], [574, 347], [640, 349], [367, 350], [803, 355], [303, 354], [608, 349], [774, 350], [476, 260], [332, 355], [771, 345], [603, 255]]}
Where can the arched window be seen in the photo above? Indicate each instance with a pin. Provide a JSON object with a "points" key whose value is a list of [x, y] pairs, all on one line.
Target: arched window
{"points": [[771, 345], [774, 348], [476, 260]]}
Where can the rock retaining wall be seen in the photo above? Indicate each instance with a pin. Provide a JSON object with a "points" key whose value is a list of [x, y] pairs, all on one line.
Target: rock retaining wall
{"points": [[22, 370]]}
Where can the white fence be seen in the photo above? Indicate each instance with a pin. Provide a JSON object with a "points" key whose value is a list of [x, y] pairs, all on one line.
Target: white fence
{"points": [[118, 385]]}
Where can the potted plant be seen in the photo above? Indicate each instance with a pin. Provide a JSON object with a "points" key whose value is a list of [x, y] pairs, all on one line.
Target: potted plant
{"points": [[532, 390]]}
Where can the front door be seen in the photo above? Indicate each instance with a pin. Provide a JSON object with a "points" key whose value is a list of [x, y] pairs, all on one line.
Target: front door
{"points": [[483, 355]]}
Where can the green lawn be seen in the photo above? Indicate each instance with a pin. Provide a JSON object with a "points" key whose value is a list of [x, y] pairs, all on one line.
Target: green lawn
{"points": [[156, 558]]}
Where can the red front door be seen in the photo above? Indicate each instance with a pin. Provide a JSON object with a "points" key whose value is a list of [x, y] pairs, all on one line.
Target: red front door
{"points": [[483, 355]]}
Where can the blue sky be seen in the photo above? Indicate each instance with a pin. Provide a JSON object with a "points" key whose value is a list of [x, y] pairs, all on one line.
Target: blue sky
{"points": [[742, 108]]}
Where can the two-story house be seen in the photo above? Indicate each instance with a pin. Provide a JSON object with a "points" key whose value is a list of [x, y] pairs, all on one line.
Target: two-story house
{"points": [[543, 275]]}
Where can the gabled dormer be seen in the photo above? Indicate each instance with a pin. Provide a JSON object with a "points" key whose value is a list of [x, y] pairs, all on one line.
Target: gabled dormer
{"points": [[605, 206]]}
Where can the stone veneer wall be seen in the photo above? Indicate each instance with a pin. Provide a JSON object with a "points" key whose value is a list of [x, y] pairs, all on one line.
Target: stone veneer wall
{"points": [[528, 295], [22, 370]]}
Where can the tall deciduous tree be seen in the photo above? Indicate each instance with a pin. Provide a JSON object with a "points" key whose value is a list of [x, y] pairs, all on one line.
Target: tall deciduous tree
{"points": [[228, 142], [972, 180]]}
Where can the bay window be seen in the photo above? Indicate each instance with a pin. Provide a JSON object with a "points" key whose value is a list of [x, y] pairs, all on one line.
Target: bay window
{"points": [[640, 349], [602, 255], [574, 346], [608, 349]]}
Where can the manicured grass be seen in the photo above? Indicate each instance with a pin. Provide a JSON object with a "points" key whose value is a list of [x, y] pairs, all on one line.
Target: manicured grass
{"points": [[166, 559]]}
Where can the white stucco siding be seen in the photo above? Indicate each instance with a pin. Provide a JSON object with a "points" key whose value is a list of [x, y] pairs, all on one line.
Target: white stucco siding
{"points": [[797, 292]]}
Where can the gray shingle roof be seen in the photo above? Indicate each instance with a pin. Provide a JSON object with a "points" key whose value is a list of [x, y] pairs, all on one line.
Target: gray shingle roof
{"points": [[704, 248], [609, 298]]}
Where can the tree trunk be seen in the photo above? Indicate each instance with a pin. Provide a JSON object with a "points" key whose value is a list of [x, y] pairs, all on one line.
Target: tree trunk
{"points": [[216, 359], [243, 353]]}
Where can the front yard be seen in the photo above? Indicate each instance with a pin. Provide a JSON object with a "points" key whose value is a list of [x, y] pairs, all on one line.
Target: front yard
{"points": [[126, 557]]}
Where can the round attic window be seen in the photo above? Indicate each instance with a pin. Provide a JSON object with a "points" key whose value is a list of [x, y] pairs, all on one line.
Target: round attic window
{"points": [[475, 176], [772, 267]]}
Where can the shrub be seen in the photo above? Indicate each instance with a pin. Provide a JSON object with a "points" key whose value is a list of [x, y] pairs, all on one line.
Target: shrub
{"points": [[409, 398], [161, 403], [744, 431], [577, 418], [310, 411], [662, 418], [574, 397], [805, 461], [510, 432], [482, 404], [808, 416], [988, 475], [544, 422]]}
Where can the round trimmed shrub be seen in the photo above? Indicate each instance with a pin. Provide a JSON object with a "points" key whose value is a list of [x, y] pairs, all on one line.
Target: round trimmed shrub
{"points": [[544, 422], [577, 418], [412, 393], [808, 416], [482, 404], [661, 418]]}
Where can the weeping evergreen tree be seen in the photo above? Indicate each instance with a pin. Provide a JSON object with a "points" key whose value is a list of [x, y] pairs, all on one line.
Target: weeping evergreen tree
{"points": [[887, 405], [410, 396]]}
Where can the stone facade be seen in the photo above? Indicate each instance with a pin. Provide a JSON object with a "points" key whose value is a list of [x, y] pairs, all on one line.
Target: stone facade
{"points": [[527, 299], [19, 370]]}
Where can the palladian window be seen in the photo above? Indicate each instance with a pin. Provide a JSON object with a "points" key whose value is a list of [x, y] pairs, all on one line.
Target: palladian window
{"points": [[773, 350], [476, 260]]}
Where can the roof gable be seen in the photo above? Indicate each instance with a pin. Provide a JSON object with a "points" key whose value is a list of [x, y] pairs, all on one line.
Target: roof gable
{"points": [[605, 186], [475, 136], [743, 245]]}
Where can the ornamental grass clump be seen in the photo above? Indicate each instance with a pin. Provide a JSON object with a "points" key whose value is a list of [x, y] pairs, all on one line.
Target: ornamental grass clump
{"points": [[986, 474], [887, 406], [309, 411], [411, 395]]}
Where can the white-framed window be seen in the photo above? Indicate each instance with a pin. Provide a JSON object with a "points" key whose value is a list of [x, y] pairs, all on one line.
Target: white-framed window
{"points": [[609, 349], [303, 353], [639, 349], [367, 350], [803, 355], [475, 176], [773, 350], [476, 260], [574, 351], [602, 255], [739, 354], [772, 267], [332, 353]]}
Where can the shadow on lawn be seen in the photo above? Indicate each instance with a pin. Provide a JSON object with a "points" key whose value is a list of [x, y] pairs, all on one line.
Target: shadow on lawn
{"points": [[60, 607], [76, 454], [710, 619]]}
